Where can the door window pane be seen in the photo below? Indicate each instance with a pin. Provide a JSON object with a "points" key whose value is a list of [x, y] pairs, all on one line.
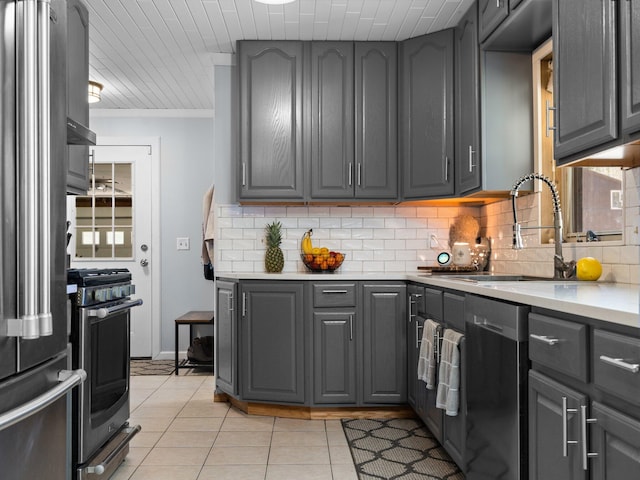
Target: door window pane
{"points": [[104, 217]]}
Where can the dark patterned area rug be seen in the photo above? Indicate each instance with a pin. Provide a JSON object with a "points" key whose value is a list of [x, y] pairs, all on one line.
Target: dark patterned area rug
{"points": [[151, 367], [397, 449]]}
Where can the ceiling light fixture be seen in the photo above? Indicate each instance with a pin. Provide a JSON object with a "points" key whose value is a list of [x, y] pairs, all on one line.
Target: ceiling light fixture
{"points": [[275, 2], [94, 91]]}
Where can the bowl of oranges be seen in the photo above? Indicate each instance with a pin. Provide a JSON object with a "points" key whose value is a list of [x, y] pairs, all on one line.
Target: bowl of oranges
{"points": [[322, 260]]}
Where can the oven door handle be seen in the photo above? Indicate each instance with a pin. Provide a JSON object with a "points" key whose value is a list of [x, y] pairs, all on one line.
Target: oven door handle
{"points": [[67, 378], [106, 311]]}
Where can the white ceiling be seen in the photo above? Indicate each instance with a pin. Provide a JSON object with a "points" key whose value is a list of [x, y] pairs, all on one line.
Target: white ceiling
{"points": [[159, 54]]}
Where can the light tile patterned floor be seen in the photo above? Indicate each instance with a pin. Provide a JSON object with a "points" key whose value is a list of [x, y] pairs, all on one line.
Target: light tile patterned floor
{"points": [[188, 437]]}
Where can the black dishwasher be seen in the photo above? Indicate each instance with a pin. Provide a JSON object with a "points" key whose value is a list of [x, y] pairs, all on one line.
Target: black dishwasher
{"points": [[496, 389]]}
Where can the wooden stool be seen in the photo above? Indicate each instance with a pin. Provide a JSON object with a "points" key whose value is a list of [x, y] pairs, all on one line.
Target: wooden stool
{"points": [[192, 318]]}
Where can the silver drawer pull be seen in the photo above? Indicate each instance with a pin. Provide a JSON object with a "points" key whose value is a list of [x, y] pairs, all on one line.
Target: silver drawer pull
{"points": [[620, 363], [336, 291], [544, 339]]}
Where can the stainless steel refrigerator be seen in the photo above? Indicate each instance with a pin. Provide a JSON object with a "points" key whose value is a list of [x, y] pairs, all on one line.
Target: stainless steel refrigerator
{"points": [[35, 381]]}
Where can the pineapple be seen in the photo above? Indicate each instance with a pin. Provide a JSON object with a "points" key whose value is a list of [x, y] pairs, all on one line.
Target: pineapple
{"points": [[274, 259]]}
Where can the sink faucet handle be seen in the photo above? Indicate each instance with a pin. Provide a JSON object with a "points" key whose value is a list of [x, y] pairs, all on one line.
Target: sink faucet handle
{"points": [[517, 237]]}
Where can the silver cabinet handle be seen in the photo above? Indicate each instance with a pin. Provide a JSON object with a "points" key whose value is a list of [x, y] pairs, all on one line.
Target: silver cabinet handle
{"points": [[343, 292], [244, 304], [67, 378], [244, 174], [350, 173], [350, 327], [436, 340], [446, 168], [230, 306], [620, 363], [471, 152], [411, 304], [586, 455], [105, 312], [359, 174], [549, 128], [565, 441], [544, 339]]}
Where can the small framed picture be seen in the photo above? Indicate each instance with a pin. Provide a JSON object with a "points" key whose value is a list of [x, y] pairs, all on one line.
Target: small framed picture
{"points": [[617, 201]]}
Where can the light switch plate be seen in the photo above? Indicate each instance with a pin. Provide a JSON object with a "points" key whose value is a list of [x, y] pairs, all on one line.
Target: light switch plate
{"points": [[182, 243]]}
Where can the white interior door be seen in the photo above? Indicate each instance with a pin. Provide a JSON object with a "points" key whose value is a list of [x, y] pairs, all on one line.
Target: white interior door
{"points": [[119, 230]]}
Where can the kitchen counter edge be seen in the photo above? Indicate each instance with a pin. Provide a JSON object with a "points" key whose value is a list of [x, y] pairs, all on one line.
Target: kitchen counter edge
{"points": [[617, 303]]}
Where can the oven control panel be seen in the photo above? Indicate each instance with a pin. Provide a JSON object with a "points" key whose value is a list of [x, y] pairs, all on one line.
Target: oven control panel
{"points": [[104, 293]]}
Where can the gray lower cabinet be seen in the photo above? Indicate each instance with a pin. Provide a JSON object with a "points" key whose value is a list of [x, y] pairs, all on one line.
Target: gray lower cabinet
{"points": [[272, 334], [426, 115], [548, 400], [334, 359], [384, 343], [226, 335], [271, 162], [584, 399]]}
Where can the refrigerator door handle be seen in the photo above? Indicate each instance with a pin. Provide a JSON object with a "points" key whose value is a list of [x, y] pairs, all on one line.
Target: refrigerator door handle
{"points": [[34, 171], [67, 378]]}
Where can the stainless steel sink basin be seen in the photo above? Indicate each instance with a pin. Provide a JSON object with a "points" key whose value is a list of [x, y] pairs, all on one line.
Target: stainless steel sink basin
{"points": [[487, 277]]}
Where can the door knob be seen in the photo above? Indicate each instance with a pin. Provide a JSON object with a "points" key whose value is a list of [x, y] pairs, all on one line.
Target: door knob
{"points": [[144, 262]]}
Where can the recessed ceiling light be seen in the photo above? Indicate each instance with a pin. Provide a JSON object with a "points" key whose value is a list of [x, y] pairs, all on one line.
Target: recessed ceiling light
{"points": [[275, 2]]}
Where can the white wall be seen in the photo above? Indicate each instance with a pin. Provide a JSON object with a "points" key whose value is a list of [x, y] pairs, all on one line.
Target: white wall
{"points": [[186, 172]]}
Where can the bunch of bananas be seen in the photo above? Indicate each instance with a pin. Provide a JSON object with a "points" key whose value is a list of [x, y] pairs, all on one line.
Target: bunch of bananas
{"points": [[306, 244]]}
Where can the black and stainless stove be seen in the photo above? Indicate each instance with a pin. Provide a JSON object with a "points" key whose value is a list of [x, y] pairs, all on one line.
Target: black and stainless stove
{"points": [[100, 336]]}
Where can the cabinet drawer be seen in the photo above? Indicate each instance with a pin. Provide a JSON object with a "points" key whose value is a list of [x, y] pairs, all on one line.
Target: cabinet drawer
{"points": [[559, 344], [432, 304], [334, 294], [616, 365]]}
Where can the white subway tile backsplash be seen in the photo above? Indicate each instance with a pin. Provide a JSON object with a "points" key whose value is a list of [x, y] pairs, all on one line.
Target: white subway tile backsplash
{"points": [[397, 238]]}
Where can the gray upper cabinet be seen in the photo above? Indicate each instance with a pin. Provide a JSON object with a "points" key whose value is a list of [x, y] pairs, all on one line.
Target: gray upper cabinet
{"points": [[77, 84], [630, 66], [376, 116], [271, 132], [492, 13], [585, 90], [332, 120], [426, 115], [467, 112], [384, 344], [354, 120], [226, 362], [272, 342]]}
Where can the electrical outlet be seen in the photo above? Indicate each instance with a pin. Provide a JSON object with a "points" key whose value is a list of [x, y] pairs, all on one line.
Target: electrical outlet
{"points": [[434, 241], [182, 243]]}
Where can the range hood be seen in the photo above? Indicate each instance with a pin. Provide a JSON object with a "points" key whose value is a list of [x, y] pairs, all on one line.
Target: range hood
{"points": [[78, 134]]}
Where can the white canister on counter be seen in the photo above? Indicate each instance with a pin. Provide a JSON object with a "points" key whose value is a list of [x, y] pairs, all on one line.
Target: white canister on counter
{"points": [[461, 254]]}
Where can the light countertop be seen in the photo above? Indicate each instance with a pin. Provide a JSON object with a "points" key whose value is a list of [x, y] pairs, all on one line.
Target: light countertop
{"points": [[612, 302]]}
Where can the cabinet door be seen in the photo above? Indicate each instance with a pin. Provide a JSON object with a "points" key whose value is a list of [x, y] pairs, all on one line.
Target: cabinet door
{"points": [[376, 106], [426, 119], [334, 357], [491, 14], [384, 344], [77, 82], [616, 440], [467, 164], [226, 363], [630, 65], [272, 330], [584, 58], [271, 156], [332, 114], [546, 460]]}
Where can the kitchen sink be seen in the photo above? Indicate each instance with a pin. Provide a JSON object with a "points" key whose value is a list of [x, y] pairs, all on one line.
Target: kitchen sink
{"points": [[487, 277]]}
